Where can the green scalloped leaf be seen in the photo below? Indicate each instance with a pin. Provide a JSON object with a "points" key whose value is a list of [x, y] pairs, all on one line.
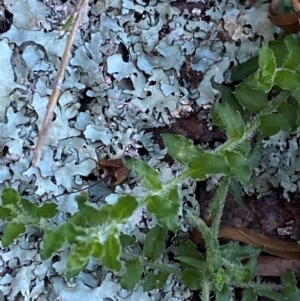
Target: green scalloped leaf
{"points": [[153, 281], [180, 148], [192, 278], [288, 278], [78, 219], [111, 253], [251, 267], [150, 176], [296, 95], [220, 279], [249, 295], [104, 214], [52, 242], [254, 81], [191, 262], [264, 78], [271, 124], [29, 208], [134, 271], [227, 97], [245, 69], [236, 190], [188, 248], [189, 256], [97, 249], [165, 208], [291, 291], [205, 164], [251, 99], [278, 48], [255, 155], [10, 196], [11, 232], [47, 210], [231, 119], [290, 114], [293, 50], [93, 216], [239, 166], [287, 79], [266, 61], [126, 240], [78, 260], [6, 213], [124, 208], [244, 148], [224, 294], [233, 251], [154, 244], [270, 294], [217, 260], [71, 232]]}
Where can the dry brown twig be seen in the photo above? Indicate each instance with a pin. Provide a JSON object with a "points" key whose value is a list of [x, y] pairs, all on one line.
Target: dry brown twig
{"points": [[78, 13]]}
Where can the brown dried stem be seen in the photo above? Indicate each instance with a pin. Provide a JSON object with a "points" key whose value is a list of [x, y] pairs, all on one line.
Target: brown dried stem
{"points": [[60, 76]]}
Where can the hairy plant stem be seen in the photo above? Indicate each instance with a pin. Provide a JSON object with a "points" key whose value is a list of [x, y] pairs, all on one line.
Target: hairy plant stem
{"points": [[216, 209], [231, 144], [205, 290], [170, 184], [217, 206], [145, 262], [257, 285], [182, 177], [212, 247]]}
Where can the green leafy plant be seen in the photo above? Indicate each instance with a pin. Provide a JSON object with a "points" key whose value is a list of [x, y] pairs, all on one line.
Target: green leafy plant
{"points": [[265, 102]]}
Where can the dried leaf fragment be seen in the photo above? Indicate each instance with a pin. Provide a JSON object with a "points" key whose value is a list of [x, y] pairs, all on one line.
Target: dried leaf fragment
{"points": [[115, 169]]}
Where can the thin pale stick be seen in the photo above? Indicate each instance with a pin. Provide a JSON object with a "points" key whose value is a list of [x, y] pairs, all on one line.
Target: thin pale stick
{"points": [[56, 91]]}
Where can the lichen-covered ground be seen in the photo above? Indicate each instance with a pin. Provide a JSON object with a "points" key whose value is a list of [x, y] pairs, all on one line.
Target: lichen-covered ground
{"points": [[135, 66]]}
